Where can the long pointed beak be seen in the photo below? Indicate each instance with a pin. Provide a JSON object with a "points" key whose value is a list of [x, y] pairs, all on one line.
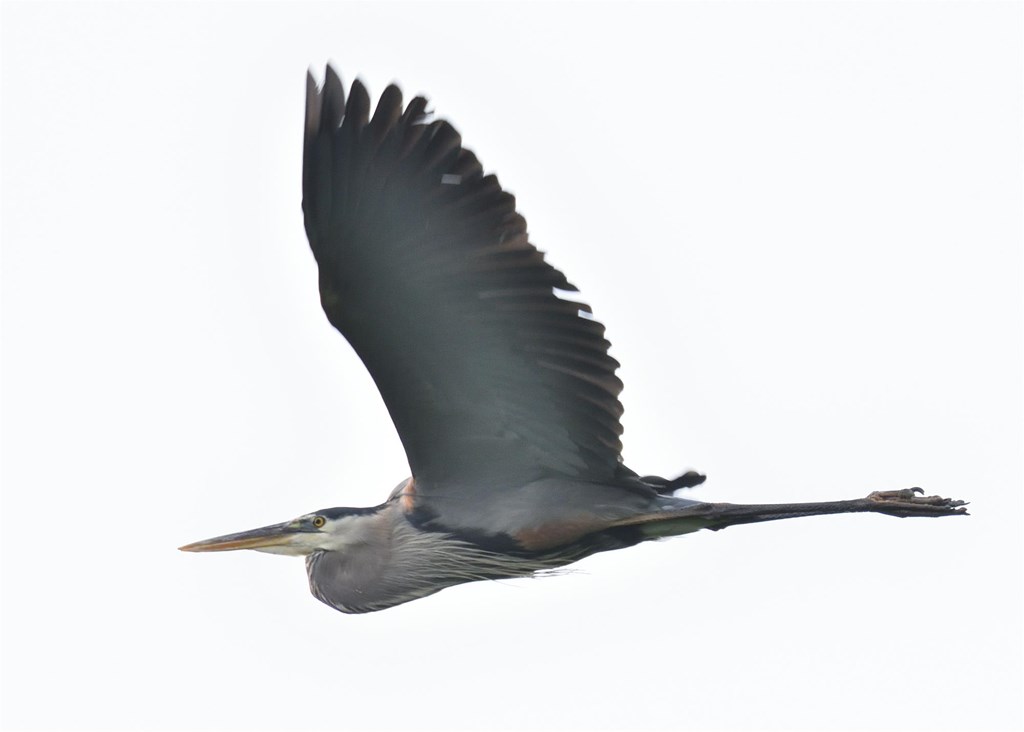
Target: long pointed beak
{"points": [[277, 535]]}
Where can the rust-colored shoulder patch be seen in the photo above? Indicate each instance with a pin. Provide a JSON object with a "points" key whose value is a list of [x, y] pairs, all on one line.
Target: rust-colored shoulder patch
{"points": [[407, 496]]}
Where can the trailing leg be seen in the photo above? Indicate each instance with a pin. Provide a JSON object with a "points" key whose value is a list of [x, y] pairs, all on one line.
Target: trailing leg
{"points": [[716, 516]]}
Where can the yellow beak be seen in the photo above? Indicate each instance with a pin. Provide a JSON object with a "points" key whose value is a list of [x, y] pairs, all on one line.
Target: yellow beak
{"points": [[276, 535]]}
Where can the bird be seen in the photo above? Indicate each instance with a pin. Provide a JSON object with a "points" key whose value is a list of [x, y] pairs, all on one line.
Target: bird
{"points": [[499, 383]]}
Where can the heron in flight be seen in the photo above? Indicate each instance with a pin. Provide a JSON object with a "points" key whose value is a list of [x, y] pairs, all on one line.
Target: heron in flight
{"points": [[500, 386]]}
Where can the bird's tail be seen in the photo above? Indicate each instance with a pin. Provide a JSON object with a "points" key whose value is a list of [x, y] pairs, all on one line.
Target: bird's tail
{"points": [[666, 486]]}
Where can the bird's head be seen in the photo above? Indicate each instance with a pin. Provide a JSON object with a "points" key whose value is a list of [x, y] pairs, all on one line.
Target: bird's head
{"points": [[330, 529]]}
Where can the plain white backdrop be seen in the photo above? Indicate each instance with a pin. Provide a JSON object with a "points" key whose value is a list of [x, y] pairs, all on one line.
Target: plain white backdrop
{"points": [[801, 223]]}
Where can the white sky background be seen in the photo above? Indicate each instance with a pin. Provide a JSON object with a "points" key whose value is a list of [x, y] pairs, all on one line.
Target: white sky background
{"points": [[801, 224]]}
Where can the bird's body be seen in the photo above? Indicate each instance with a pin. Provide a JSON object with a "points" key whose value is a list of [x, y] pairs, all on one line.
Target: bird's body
{"points": [[501, 388], [389, 559]]}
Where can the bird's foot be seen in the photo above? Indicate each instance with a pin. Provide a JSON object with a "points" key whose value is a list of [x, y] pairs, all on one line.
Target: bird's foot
{"points": [[913, 502]]}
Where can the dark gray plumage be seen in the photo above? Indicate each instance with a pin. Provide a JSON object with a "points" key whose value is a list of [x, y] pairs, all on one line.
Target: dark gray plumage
{"points": [[503, 393]]}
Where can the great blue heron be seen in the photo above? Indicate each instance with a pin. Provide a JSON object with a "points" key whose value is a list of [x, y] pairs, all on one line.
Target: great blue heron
{"points": [[502, 390]]}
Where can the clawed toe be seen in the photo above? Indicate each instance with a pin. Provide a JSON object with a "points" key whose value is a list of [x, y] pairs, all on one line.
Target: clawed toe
{"points": [[913, 502]]}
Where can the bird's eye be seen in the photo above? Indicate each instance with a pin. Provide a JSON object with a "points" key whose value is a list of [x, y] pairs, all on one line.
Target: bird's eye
{"points": [[319, 521]]}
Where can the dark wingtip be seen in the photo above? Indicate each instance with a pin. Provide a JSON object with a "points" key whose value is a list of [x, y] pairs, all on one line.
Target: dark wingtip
{"points": [[416, 112], [392, 94], [388, 112], [314, 104], [334, 99], [357, 110]]}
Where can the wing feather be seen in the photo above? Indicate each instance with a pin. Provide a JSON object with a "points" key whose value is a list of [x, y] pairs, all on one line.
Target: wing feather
{"points": [[427, 269]]}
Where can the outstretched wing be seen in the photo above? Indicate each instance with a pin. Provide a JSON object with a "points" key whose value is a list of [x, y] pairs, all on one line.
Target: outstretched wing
{"points": [[427, 270]]}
